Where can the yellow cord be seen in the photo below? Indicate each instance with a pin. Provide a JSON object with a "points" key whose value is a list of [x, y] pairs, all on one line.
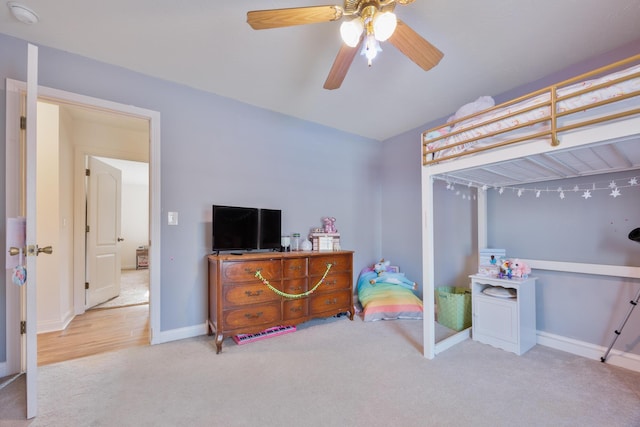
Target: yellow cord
{"points": [[293, 296]]}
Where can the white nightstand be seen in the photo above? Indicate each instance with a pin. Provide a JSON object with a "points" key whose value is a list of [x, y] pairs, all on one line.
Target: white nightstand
{"points": [[506, 323]]}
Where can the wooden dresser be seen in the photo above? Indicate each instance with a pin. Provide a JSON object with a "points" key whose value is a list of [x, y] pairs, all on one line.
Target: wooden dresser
{"points": [[241, 302]]}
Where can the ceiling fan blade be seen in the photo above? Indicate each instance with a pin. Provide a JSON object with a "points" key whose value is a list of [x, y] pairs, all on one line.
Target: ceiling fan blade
{"points": [[341, 65], [415, 47], [276, 18]]}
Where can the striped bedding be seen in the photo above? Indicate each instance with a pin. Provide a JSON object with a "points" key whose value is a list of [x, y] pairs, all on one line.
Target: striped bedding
{"points": [[386, 301]]}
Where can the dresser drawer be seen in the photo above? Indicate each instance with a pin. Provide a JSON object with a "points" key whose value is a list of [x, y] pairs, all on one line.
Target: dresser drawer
{"points": [[239, 271], [333, 282], [339, 263], [295, 287], [252, 316], [295, 309], [294, 268], [253, 293], [330, 301]]}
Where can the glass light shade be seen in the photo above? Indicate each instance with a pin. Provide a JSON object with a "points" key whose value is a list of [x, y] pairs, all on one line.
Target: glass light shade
{"points": [[371, 48], [384, 24], [350, 32]]}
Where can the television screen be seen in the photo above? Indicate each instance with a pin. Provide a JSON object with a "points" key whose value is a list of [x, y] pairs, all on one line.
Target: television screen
{"points": [[270, 224], [234, 228]]}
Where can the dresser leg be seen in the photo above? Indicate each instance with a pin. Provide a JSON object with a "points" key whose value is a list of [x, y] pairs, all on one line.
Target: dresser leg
{"points": [[219, 339], [352, 313]]}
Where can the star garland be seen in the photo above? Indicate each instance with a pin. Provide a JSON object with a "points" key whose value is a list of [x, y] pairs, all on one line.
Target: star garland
{"points": [[586, 191]]}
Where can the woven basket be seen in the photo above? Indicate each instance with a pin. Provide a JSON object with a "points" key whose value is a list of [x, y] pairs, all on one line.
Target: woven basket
{"points": [[454, 307]]}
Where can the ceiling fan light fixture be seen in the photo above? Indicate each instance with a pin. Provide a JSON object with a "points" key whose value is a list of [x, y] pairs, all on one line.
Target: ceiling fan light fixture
{"points": [[350, 31], [384, 24]]}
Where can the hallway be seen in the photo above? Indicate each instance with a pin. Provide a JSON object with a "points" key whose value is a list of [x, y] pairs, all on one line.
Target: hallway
{"points": [[94, 332]]}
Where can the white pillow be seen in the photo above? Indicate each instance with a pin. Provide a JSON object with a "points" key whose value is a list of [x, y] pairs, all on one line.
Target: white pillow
{"points": [[482, 103], [500, 292]]}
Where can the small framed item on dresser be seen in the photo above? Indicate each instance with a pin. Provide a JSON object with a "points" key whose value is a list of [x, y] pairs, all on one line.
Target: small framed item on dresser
{"points": [[489, 261]]}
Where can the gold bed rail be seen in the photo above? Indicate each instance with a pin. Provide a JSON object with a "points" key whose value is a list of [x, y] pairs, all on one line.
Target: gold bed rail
{"points": [[550, 100]]}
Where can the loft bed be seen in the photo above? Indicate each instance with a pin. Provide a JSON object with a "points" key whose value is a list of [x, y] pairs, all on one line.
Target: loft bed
{"points": [[586, 125]]}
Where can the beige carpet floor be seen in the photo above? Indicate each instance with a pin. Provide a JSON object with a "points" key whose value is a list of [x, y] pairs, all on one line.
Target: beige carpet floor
{"points": [[335, 373], [134, 289]]}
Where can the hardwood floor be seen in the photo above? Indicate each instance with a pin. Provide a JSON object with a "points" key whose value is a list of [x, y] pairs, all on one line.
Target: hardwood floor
{"points": [[96, 331]]}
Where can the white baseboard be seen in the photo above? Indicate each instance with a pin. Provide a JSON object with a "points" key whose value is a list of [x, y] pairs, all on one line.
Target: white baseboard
{"points": [[179, 334], [590, 351], [55, 325]]}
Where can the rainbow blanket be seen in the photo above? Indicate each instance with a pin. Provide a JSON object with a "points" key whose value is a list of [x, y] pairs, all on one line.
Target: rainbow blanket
{"points": [[386, 301]]}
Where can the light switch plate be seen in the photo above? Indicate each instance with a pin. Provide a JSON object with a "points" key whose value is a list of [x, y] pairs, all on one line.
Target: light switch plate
{"points": [[173, 218]]}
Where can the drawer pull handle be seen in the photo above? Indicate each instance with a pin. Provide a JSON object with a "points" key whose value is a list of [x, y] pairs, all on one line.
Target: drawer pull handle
{"points": [[253, 316], [331, 301], [295, 309], [248, 270], [331, 282], [295, 267], [253, 294]]}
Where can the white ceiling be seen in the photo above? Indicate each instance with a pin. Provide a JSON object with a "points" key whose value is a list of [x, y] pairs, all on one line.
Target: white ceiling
{"points": [[490, 47]]}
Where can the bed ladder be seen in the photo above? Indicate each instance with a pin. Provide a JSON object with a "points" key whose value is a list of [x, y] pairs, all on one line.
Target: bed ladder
{"points": [[634, 235], [617, 332]]}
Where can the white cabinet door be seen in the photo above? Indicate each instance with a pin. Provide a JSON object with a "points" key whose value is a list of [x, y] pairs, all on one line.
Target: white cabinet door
{"points": [[495, 319]]}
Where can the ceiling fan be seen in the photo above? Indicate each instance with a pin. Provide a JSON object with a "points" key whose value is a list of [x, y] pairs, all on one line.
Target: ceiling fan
{"points": [[372, 21]]}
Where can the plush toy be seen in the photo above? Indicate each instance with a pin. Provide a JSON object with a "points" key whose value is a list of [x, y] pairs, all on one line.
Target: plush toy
{"points": [[329, 224], [520, 269], [505, 269], [510, 268], [382, 275]]}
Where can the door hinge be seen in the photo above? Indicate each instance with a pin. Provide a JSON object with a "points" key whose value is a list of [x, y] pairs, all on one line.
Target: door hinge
{"points": [[23, 327], [87, 172], [86, 229], [86, 285], [23, 122]]}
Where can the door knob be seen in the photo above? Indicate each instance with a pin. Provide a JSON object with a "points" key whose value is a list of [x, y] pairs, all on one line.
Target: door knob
{"points": [[14, 251], [47, 250], [120, 239]]}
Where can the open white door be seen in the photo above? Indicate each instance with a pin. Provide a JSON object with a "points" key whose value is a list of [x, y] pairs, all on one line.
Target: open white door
{"points": [[104, 198], [32, 250]]}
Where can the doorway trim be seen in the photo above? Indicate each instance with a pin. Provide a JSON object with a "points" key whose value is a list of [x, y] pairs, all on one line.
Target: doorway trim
{"points": [[153, 117]]}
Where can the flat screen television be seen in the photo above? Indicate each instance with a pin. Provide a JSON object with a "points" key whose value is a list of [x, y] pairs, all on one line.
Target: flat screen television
{"points": [[245, 229], [234, 228], [269, 228]]}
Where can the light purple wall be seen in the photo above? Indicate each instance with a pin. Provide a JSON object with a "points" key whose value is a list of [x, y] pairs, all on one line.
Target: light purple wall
{"points": [[401, 204], [216, 150], [574, 229]]}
